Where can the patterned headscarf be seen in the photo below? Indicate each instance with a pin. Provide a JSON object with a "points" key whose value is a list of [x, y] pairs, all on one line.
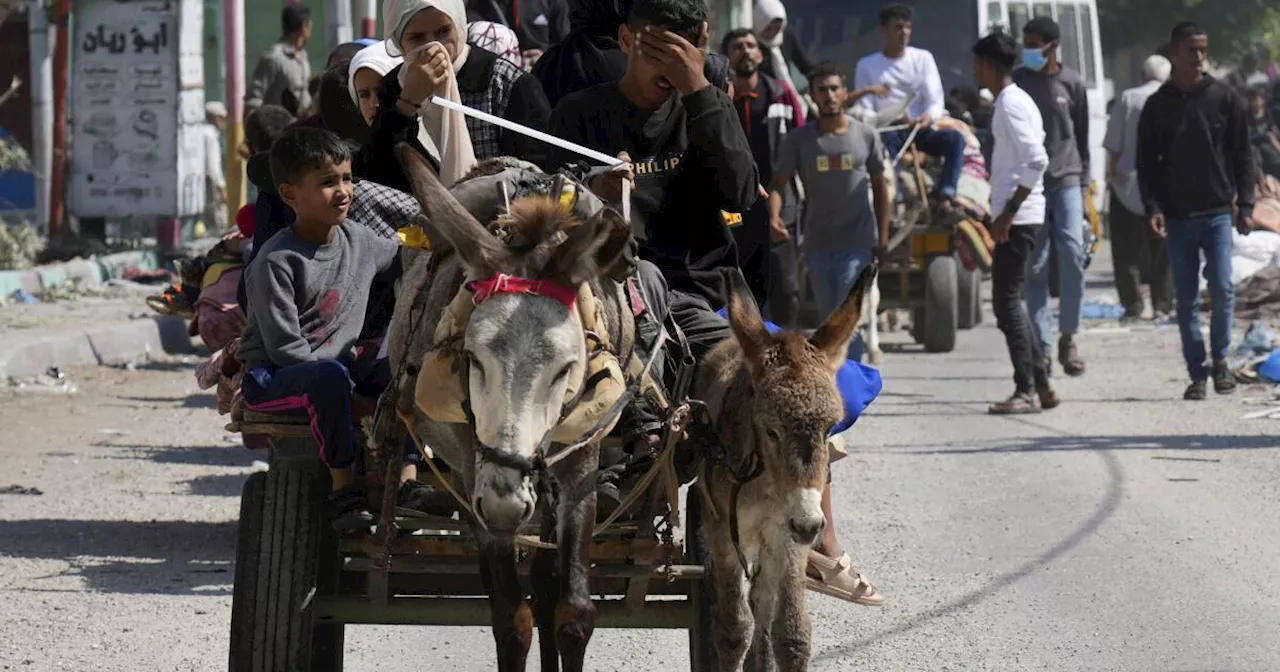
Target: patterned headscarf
{"points": [[496, 38]]}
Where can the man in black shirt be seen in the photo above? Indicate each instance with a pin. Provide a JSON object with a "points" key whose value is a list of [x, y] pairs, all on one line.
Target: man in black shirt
{"points": [[766, 111], [537, 23], [691, 163], [1195, 168]]}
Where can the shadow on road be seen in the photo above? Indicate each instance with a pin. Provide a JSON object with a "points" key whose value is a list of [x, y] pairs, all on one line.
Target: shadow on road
{"points": [[229, 455], [1105, 509], [114, 556], [1097, 443], [195, 400], [217, 485]]}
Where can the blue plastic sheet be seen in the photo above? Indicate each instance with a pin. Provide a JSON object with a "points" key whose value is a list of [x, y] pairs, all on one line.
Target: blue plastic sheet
{"points": [[859, 385]]}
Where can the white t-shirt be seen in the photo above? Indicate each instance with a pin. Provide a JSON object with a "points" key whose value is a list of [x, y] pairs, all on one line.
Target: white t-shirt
{"points": [[914, 71], [1018, 158]]}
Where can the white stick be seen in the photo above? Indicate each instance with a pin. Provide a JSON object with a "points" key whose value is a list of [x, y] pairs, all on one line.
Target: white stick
{"points": [[525, 130]]}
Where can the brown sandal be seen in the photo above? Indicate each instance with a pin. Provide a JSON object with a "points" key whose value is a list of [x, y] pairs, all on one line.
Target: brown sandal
{"points": [[837, 578]]}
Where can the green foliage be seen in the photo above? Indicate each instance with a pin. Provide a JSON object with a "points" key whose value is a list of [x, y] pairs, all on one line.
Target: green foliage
{"points": [[1233, 27]]}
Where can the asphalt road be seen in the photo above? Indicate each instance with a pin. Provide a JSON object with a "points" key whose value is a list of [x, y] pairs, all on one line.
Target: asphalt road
{"points": [[1127, 530]]}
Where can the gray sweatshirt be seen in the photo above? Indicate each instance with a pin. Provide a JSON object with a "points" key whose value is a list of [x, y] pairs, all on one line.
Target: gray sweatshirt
{"points": [[307, 302], [1064, 104]]}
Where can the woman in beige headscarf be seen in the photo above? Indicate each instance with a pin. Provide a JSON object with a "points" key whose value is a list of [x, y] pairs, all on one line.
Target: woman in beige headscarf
{"points": [[431, 34]]}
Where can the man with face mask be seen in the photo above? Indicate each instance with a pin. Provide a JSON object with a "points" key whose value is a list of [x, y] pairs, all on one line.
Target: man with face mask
{"points": [[1061, 95]]}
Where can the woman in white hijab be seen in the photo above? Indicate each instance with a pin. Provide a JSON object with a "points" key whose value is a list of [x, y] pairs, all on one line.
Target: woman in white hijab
{"points": [[364, 77], [431, 35], [781, 47]]}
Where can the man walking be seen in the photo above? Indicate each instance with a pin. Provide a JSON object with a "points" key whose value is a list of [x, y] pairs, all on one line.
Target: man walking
{"points": [[839, 160], [1195, 166], [283, 73], [1136, 250], [1060, 94], [538, 24], [767, 111], [1018, 164]]}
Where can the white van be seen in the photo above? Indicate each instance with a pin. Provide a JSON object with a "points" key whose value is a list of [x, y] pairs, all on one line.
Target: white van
{"points": [[846, 31]]}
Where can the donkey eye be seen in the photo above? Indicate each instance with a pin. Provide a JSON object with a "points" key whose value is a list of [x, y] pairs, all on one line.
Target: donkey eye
{"points": [[773, 435], [474, 363], [564, 373]]}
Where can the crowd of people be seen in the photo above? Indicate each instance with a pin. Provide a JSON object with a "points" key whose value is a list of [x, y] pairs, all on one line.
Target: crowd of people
{"points": [[730, 166]]}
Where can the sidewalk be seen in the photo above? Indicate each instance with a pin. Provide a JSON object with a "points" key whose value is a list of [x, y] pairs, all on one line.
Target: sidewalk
{"points": [[109, 324]]}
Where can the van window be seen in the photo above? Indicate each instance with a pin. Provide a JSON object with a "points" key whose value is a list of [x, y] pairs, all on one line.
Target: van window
{"points": [[1090, 70], [1070, 37]]}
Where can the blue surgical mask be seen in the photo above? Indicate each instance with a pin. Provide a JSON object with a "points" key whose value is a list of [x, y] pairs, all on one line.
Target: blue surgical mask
{"points": [[1034, 59]]}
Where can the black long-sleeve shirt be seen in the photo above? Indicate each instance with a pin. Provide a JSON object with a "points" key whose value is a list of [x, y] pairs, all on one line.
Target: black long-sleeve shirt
{"points": [[1194, 154], [692, 165]]}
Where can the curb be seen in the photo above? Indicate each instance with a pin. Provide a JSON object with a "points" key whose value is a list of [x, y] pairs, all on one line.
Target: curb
{"points": [[89, 272], [101, 344]]}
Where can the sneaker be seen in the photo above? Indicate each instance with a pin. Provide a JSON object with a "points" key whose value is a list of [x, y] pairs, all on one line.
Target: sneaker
{"points": [[350, 509], [1048, 398], [1070, 359], [1224, 381], [1196, 391], [1019, 404], [418, 496]]}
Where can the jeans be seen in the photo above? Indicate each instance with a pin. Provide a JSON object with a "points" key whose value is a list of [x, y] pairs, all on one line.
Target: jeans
{"points": [[323, 388], [1139, 256], [1188, 238], [1008, 283], [1065, 230], [832, 274], [945, 144]]}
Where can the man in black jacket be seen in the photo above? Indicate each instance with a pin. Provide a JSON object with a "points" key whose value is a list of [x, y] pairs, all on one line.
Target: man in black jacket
{"points": [[1195, 168], [691, 162], [537, 23], [767, 112]]}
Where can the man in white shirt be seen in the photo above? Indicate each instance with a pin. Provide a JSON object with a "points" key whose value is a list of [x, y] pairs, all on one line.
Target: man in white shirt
{"points": [[1018, 165], [905, 70], [1136, 250]]}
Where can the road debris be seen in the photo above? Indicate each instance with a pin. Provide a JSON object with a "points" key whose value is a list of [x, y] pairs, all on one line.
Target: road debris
{"points": [[20, 490]]}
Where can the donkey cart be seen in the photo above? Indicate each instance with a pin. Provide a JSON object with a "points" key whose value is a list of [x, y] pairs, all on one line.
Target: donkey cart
{"points": [[298, 583]]}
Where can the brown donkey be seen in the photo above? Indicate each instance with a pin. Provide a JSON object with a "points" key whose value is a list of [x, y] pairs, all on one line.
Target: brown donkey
{"points": [[774, 400]]}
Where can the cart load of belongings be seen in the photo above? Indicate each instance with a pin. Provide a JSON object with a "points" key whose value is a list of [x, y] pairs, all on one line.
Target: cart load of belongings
{"points": [[440, 392], [973, 197]]}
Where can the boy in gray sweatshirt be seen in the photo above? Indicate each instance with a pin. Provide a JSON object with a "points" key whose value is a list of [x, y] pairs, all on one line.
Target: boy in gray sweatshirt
{"points": [[308, 289]]}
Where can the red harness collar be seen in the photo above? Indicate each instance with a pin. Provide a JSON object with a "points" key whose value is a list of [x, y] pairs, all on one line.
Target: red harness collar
{"points": [[507, 284]]}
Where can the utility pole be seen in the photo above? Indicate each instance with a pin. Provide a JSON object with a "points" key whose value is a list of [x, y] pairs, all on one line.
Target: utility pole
{"points": [[61, 72], [233, 42], [39, 47], [368, 18]]}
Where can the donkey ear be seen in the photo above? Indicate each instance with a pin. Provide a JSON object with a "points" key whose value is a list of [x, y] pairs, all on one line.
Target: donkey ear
{"points": [[452, 222], [833, 337], [744, 317]]}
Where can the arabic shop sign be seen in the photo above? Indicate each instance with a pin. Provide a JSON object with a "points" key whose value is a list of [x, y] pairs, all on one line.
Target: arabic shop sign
{"points": [[130, 111]]}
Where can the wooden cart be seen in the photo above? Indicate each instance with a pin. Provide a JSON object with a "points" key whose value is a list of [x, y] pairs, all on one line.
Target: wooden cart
{"points": [[298, 583]]}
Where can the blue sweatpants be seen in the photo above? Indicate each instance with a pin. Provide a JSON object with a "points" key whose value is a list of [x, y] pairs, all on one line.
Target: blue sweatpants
{"points": [[323, 388]]}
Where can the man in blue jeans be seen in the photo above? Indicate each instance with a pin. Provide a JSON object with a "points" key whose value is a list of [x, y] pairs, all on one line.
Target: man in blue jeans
{"points": [[1195, 167], [902, 70], [839, 160], [1061, 96]]}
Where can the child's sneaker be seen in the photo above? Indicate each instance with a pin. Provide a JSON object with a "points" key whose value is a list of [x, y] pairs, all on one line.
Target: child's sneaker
{"points": [[350, 510], [418, 496]]}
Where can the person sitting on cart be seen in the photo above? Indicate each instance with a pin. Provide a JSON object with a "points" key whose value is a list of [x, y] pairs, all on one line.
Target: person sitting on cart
{"points": [[839, 161], [691, 162], [906, 70], [308, 292]]}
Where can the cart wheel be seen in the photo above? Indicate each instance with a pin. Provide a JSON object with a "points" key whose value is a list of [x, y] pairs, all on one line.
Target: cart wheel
{"points": [[941, 304], [702, 646], [969, 284], [278, 561]]}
